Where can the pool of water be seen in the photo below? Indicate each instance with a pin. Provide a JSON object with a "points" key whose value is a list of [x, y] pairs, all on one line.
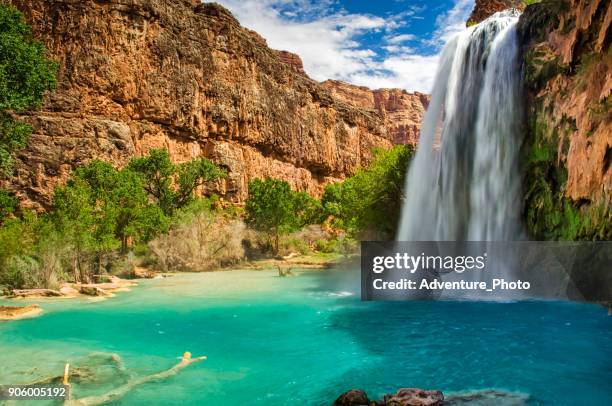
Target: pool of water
{"points": [[306, 339]]}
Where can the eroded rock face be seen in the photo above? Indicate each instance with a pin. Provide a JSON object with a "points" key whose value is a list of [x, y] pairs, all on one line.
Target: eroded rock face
{"points": [[401, 111], [483, 9], [292, 60], [141, 74], [568, 150]]}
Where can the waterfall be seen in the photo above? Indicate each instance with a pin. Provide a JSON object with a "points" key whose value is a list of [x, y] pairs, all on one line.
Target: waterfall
{"points": [[464, 182]]}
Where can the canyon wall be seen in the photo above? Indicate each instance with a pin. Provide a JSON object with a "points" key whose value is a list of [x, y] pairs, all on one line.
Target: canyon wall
{"points": [[567, 147], [567, 152], [402, 112], [141, 74]]}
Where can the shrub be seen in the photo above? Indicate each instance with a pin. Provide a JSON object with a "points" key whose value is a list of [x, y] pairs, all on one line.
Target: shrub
{"points": [[200, 239], [32, 253]]}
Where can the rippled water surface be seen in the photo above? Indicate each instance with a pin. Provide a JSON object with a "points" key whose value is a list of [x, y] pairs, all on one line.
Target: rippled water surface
{"points": [[304, 340]]}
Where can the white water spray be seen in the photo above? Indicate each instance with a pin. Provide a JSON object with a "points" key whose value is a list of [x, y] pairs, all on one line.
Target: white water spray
{"points": [[464, 182]]}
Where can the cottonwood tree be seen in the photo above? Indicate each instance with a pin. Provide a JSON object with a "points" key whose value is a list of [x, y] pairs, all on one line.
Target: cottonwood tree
{"points": [[272, 207], [100, 209], [172, 185]]}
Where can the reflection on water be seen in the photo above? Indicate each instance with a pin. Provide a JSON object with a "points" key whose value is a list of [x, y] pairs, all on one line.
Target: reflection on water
{"points": [[304, 340]]}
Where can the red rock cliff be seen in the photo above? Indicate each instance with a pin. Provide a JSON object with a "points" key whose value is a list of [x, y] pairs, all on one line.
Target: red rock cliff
{"points": [[568, 150], [401, 111], [141, 74]]}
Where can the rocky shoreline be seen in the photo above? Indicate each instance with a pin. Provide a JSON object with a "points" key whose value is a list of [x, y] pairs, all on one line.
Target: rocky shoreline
{"points": [[107, 288]]}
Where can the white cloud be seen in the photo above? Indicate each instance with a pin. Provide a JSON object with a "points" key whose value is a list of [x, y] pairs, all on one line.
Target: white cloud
{"points": [[398, 39], [328, 41], [412, 72], [452, 22]]}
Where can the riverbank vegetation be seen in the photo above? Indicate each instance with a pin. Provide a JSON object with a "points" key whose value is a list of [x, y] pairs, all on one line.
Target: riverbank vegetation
{"points": [[158, 214], [152, 213]]}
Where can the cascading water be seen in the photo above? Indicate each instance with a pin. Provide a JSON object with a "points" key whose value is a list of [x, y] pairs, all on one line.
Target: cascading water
{"points": [[464, 182]]}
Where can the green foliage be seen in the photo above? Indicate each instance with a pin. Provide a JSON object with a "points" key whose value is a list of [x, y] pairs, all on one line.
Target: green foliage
{"points": [[8, 204], [272, 207], [101, 207], [29, 253], [171, 185], [540, 67], [530, 2], [25, 74], [549, 214], [371, 200]]}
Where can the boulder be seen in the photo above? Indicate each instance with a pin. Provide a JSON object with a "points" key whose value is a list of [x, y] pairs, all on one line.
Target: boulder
{"points": [[403, 397], [414, 397], [94, 291], [354, 397]]}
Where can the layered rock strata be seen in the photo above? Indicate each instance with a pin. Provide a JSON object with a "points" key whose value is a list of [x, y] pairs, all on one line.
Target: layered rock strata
{"points": [[141, 74]]}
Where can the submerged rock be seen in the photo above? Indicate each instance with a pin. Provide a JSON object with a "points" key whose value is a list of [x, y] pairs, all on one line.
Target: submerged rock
{"points": [[403, 397], [354, 397], [487, 397], [414, 397]]}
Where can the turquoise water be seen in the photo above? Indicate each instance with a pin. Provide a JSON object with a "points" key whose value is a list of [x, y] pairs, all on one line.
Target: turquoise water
{"points": [[305, 340]]}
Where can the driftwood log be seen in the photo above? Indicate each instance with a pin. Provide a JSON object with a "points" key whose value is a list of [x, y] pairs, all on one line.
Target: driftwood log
{"points": [[123, 390]]}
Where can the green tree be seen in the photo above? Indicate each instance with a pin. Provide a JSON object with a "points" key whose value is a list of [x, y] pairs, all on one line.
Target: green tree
{"points": [[272, 207], [371, 200], [308, 210], [101, 209], [172, 185], [77, 219], [25, 74]]}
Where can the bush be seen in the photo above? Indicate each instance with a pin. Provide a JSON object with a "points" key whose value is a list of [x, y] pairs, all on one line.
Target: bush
{"points": [[292, 244], [200, 239], [32, 253]]}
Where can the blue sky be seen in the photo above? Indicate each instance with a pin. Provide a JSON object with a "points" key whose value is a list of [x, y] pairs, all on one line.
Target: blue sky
{"points": [[375, 43]]}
